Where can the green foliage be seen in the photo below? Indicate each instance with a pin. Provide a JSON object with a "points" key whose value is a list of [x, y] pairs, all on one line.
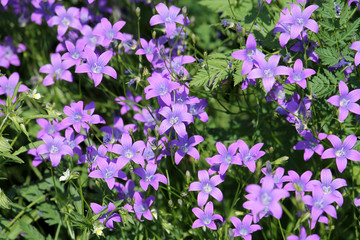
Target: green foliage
{"points": [[30, 232], [324, 85], [328, 56]]}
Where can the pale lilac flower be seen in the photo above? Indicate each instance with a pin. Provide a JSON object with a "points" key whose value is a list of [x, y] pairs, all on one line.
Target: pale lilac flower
{"points": [[96, 66], [108, 171], [167, 16], [310, 144], [73, 56], [356, 46], [206, 217], [176, 65], [73, 142], [149, 119], [346, 101], [110, 216], [267, 70], [342, 151], [357, 202], [141, 206], [51, 129], [7, 86], [284, 28], [176, 118], [65, 18], [207, 187], [329, 186], [77, 117], [55, 148], [247, 156], [38, 159], [129, 151], [84, 15], [92, 155], [8, 53], [244, 228], [91, 39], [57, 68], [265, 199], [303, 236], [107, 32], [128, 102], [128, 43], [298, 74], [186, 147], [277, 176], [149, 49], [160, 86], [298, 184], [248, 54], [226, 156], [149, 177], [197, 110]]}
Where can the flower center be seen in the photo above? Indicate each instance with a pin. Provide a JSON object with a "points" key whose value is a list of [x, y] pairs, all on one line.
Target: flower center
{"points": [[185, 148], [193, 110], [54, 149], [319, 204], [299, 186], [228, 158], [148, 153], [128, 154], [58, 72], [207, 220], [248, 157], [8, 52], [75, 54], [109, 173], [174, 120], [93, 40], [8, 90], [163, 89], [300, 21], [340, 152], [297, 76], [70, 143], [207, 187], [110, 34], [149, 178], [51, 130], [168, 19], [265, 198], [268, 73], [250, 53], [77, 117], [327, 189], [148, 50], [344, 102], [313, 144], [96, 68], [243, 231], [65, 21]]}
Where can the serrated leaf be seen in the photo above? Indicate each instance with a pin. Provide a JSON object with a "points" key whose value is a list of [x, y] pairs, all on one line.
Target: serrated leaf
{"points": [[351, 30], [30, 231], [324, 86], [49, 213], [328, 56]]}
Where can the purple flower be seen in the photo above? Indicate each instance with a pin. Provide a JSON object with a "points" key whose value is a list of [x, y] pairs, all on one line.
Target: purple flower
{"points": [[7, 86], [148, 118], [278, 176], [73, 142], [92, 155], [244, 228], [206, 217], [141, 206], [226, 156], [303, 236], [107, 32], [357, 202], [149, 49], [128, 102], [89, 37], [167, 16], [175, 117], [48, 128], [265, 199], [299, 47], [55, 148], [176, 65], [298, 75], [8, 53], [197, 110], [206, 187], [329, 186], [126, 193], [284, 28], [108, 171], [267, 70], [298, 184], [342, 151], [129, 151], [73, 56], [160, 86], [319, 203], [346, 101], [310, 144], [42, 9], [96, 66], [300, 19], [186, 146], [115, 133], [76, 117], [110, 216], [247, 156], [356, 46], [64, 19], [148, 176], [248, 54], [57, 68]]}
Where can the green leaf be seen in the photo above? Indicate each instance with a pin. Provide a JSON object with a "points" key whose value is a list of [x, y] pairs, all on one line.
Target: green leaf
{"points": [[8, 157], [351, 30], [328, 56], [28, 147], [324, 86], [49, 213], [31, 232]]}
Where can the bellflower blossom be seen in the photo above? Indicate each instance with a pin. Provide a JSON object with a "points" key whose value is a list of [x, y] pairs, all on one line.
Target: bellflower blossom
{"points": [[51, 129], [346, 101], [38, 158], [92, 155], [167, 16], [110, 216], [342, 151], [109, 171], [141, 206], [115, 133], [73, 56], [42, 9], [176, 118], [298, 184], [128, 102], [329, 186], [7, 86], [303, 236], [299, 47], [226, 156], [267, 70], [160, 86], [126, 193], [310, 144], [206, 187], [73, 142], [57, 68], [247, 55], [76, 117], [148, 48], [148, 177], [91, 39], [107, 32], [64, 19], [284, 28], [8, 53], [55, 148], [186, 146], [277, 176], [176, 65], [247, 156], [298, 74], [149, 119], [206, 217], [129, 151], [356, 46], [244, 228], [197, 110]]}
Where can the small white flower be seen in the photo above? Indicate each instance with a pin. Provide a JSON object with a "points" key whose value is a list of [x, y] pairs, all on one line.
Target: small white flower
{"points": [[66, 175], [98, 230]]}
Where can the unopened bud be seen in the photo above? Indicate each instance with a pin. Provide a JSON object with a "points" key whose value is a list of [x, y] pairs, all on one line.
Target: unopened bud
{"points": [[184, 10], [137, 12]]}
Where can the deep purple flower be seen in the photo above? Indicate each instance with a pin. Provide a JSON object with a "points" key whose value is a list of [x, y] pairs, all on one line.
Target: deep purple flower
{"points": [[129, 151], [300, 19], [73, 142], [244, 228], [176, 118], [303, 236], [149, 49], [186, 146], [247, 156], [108, 171], [346, 101], [107, 32], [7, 86], [128, 102], [65, 18], [284, 28], [329, 186], [57, 68], [265, 199], [126, 193], [299, 47], [206, 217], [310, 144], [197, 110], [298, 184], [148, 176], [110, 216], [55, 148], [267, 70], [248, 54], [167, 16], [96, 66], [226, 156], [207, 187], [160, 86], [342, 151], [51, 129], [73, 56], [141, 206], [77, 117], [92, 155], [298, 74]]}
